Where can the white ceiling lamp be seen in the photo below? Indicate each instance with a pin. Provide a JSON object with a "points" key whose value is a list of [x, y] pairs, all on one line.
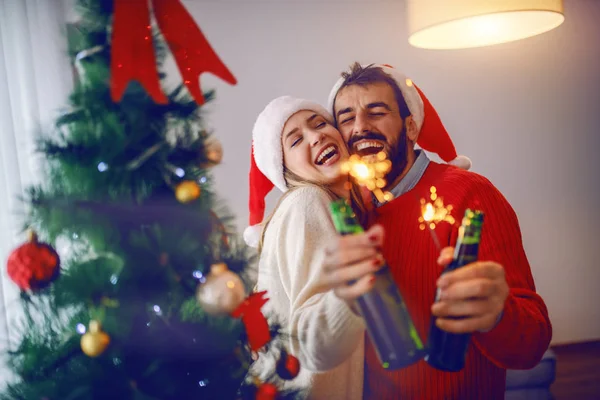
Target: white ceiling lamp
{"points": [[459, 24]]}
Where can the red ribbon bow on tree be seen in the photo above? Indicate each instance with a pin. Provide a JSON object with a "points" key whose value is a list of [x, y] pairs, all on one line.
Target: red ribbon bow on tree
{"points": [[132, 49], [257, 327]]}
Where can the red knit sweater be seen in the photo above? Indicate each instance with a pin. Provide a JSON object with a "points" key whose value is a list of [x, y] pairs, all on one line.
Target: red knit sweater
{"points": [[522, 335]]}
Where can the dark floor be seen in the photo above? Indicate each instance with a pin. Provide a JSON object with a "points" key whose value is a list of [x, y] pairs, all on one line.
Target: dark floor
{"points": [[577, 371]]}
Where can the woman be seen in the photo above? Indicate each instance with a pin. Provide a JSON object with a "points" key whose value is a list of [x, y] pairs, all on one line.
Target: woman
{"points": [[298, 150]]}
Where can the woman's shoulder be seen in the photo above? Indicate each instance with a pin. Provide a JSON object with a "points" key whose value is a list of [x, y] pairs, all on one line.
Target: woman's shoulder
{"points": [[306, 202], [307, 196], [303, 209]]}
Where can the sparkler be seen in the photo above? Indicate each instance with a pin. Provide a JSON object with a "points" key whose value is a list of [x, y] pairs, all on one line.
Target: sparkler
{"points": [[434, 212], [370, 172]]}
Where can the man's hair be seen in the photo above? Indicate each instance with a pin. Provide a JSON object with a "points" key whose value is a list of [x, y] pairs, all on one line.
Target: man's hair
{"points": [[363, 76]]}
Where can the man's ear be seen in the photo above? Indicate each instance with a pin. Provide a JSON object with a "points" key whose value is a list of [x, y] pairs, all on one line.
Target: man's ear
{"points": [[411, 129]]}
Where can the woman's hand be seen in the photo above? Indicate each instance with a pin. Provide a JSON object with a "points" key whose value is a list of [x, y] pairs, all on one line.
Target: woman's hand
{"points": [[350, 263]]}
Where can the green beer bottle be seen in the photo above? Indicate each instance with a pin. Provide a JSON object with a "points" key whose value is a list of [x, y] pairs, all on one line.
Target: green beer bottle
{"points": [[388, 322], [447, 351]]}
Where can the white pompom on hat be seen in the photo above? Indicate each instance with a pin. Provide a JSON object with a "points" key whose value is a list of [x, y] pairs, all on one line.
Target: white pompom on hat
{"points": [[266, 159], [433, 136]]}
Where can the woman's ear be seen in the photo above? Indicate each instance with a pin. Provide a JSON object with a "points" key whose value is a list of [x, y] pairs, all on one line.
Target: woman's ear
{"points": [[411, 129]]}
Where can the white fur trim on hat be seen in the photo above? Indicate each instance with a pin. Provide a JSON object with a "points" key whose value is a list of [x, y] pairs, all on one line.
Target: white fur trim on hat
{"points": [[252, 235], [463, 162], [266, 159], [409, 92], [266, 135]]}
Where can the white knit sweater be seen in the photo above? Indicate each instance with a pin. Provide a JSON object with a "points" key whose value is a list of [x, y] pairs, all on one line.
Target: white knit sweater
{"points": [[327, 337]]}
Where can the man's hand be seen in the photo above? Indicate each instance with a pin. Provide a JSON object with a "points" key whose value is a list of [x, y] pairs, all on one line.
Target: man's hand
{"points": [[475, 292], [350, 263]]}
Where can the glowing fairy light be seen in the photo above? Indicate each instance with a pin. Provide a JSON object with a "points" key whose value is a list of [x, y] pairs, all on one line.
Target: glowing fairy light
{"points": [[370, 172], [434, 211], [81, 329]]}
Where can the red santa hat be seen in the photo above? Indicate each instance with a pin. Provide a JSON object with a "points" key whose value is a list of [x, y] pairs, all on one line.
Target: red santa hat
{"points": [[433, 136], [266, 158]]}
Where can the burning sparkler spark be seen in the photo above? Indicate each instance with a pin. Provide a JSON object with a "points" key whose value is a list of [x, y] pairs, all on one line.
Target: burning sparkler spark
{"points": [[370, 173], [435, 211]]}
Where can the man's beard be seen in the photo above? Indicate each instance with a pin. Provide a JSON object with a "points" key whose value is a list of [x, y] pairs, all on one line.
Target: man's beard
{"points": [[396, 152], [398, 156]]}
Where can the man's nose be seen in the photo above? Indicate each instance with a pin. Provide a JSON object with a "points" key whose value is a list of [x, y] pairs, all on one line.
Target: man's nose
{"points": [[361, 124]]}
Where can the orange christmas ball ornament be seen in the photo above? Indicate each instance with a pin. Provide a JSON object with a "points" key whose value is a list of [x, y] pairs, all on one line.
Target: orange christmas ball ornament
{"points": [[187, 191]]}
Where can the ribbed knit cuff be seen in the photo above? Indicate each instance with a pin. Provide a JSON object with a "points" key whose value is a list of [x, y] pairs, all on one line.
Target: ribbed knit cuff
{"points": [[504, 326], [500, 342], [496, 323], [343, 317]]}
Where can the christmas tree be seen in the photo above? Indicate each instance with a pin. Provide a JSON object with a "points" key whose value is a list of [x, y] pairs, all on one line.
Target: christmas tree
{"points": [[134, 284]]}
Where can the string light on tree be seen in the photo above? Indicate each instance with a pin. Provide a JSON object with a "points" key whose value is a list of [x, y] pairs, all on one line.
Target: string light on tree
{"points": [[102, 166], [80, 329], [199, 276]]}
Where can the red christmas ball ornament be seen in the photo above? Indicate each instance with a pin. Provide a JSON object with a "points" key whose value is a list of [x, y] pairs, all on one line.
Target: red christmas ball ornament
{"points": [[288, 366], [266, 391], [33, 265]]}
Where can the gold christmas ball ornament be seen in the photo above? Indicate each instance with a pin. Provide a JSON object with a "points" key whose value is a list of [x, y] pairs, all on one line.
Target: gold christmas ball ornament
{"points": [[187, 191], [95, 341], [213, 150], [222, 292]]}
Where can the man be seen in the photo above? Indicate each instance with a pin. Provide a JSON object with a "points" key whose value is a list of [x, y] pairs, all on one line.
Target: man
{"points": [[377, 109]]}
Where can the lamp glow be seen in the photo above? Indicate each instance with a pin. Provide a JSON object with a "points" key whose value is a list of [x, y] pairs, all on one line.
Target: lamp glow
{"points": [[456, 24]]}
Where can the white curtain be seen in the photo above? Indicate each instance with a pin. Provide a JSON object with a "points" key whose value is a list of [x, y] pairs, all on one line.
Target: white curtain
{"points": [[35, 80]]}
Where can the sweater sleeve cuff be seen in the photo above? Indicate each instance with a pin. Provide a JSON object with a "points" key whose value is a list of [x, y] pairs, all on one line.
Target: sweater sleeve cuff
{"points": [[496, 323], [332, 337], [343, 317], [504, 328]]}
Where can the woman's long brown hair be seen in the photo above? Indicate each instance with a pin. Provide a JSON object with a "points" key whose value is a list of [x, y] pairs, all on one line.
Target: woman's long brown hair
{"points": [[295, 182]]}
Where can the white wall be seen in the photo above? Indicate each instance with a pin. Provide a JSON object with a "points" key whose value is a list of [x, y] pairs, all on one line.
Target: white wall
{"points": [[35, 78], [527, 113]]}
